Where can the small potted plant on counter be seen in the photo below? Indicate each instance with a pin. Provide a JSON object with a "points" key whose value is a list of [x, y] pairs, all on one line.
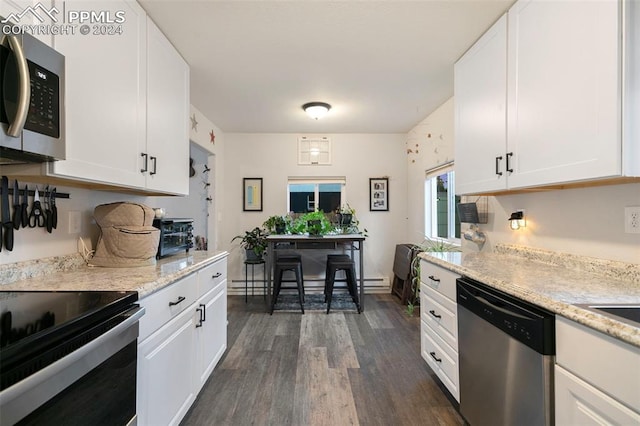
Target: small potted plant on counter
{"points": [[254, 242]]}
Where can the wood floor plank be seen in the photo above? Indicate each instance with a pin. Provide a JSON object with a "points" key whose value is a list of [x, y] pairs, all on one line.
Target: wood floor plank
{"points": [[289, 369]]}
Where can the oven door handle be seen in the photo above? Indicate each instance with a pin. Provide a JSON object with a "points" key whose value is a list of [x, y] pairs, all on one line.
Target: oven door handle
{"points": [[24, 88], [105, 346]]}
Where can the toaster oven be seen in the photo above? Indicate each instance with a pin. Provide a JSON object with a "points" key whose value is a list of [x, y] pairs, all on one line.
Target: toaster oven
{"points": [[176, 235]]}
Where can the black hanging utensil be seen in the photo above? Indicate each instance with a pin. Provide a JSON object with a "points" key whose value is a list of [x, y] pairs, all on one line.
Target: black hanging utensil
{"points": [[24, 218], [16, 206], [48, 219], [54, 209], [7, 223]]}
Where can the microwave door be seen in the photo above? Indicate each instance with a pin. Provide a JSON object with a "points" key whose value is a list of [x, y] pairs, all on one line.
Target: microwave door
{"points": [[44, 130], [15, 93]]}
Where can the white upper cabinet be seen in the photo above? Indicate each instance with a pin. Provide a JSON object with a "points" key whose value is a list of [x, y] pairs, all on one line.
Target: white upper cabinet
{"points": [[167, 116], [480, 105], [564, 114], [105, 99], [570, 98]]}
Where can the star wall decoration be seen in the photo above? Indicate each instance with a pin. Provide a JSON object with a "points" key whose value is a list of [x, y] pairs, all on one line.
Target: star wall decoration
{"points": [[212, 136], [194, 122]]}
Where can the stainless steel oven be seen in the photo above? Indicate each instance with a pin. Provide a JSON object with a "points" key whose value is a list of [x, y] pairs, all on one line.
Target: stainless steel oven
{"points": [[32, 79], [68, 358]]}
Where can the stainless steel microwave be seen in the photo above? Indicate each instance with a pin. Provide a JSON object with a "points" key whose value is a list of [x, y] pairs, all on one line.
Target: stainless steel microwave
{"points": [[32, 85]]}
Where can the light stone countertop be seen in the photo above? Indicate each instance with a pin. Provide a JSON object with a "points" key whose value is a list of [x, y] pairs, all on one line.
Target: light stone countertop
{"points": [[556, 283], [145, 280]]}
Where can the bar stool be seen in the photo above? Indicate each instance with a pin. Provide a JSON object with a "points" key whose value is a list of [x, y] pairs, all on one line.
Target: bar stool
{"points": [[285, 263], [346, 264], [332, 258], [253, 264]]}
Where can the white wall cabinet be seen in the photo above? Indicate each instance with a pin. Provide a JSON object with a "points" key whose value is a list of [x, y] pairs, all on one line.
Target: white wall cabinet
{"points": [[105, 99], [167, 149], [480, 105], [127, 105], [439, 324], [594, 381], [183, 335], [565, 111]]}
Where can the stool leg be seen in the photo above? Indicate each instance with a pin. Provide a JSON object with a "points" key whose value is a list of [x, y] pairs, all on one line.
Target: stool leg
{"points": [[332, 278], [276, 287], [253, 280], [300, 287], [246, 278], [351, 283]]}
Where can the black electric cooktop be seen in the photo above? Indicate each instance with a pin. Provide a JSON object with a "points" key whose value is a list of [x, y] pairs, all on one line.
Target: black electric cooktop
{"points": [[34, 323]]}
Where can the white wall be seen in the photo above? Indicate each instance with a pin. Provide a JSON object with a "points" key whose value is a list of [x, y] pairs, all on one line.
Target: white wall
{"points": [[358, 157], [584, 221], [429, 145]]}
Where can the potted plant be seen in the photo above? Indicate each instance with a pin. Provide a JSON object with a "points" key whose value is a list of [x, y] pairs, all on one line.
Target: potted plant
{"points": [[428, 245], [254, 242], [276, 224], [345, 215], [313, 223]]}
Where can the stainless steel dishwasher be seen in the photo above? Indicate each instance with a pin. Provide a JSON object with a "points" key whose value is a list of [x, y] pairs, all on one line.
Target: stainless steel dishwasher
{"points": [[506, 356]]}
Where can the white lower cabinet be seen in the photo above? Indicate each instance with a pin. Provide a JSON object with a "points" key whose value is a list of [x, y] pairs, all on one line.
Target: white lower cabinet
{"points": [[579, 403], [183, 335], [439, 324], [165, 385], [211, 336], [597, 379]]}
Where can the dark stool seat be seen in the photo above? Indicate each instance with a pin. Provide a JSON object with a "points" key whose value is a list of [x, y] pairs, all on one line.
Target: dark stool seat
{"points": [[341, 263], [288, 263]]}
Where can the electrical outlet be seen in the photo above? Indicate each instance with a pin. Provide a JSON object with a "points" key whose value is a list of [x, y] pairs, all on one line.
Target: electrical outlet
{"points": [[632, 220], [74, 222]]}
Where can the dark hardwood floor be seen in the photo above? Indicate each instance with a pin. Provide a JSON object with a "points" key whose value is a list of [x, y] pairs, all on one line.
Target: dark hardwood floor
{"points": [[317, 369]]}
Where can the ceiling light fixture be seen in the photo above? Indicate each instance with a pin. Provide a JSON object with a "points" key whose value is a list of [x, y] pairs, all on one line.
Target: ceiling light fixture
{"points": [[316, 110]]}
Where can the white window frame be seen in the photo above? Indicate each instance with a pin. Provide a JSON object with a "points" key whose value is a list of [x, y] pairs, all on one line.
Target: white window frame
{"points": [[430, 206], [342, 181]]}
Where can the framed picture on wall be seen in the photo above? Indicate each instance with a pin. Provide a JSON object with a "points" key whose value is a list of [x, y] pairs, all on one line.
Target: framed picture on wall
{"points": [[379, 194], [252, 194]]}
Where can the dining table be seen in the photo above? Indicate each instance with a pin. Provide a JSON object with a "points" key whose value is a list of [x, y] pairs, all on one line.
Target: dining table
{"points": [[330, 242]]}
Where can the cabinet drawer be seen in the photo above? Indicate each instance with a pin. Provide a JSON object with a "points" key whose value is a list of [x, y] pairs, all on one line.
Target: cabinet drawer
{"points": [[441, 358], [211, 276], [440, 314], [167, 303], [601, 360], [439, 279]]}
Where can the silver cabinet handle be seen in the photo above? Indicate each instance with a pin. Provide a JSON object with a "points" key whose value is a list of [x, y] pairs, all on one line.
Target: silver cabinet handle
{"points": [[24, 89]]}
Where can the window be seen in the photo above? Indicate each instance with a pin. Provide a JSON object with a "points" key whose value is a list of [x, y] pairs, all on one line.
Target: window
{"points": [[303, 194], [441, 212]]}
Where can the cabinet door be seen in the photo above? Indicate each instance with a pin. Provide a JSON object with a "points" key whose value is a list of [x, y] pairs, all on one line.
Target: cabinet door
{"points": [[579, 403], [167, 116], [212, 334], [165, 372], [480, 113], [105, 98], [563, 91]]}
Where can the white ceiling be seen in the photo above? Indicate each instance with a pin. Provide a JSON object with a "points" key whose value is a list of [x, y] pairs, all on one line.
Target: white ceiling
{"points": [[383, 65]]}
